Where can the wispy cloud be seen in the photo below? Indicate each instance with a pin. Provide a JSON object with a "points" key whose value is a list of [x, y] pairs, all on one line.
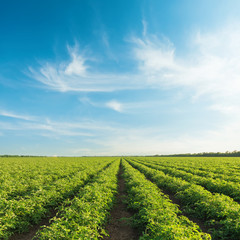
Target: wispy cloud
{"points": [[112, 104], [211, 67], [56, 78], [87, 100], [63, 77], [144, 23], [227, 108], [77, 65], [115, 105], [52, 128], [5, 113], [110, 138], [128, 107], [106, 44], [153, 140], [209, 70]]}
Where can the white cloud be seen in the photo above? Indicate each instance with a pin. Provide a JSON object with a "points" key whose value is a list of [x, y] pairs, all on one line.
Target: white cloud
{"points": [[154, 55], [115, 105], [49, 128], [107, 138], [86, 100], [226, 109], [144, 141], [77, 65], [211, 68], [209, 71], [64, 76], [17, 116], [128, 107], [55, 78]]}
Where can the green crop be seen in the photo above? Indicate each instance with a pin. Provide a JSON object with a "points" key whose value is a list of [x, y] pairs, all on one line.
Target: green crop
{"points": [[82, 190], [19, 213], [156, 214], [87, 213], [216, 209]]}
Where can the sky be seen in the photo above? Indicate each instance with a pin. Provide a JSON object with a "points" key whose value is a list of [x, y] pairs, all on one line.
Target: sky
{"points": [[129, 77]]}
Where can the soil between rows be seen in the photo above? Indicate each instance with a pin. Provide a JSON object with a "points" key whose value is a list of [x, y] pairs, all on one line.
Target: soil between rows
{"points": [[44, 222], [199, 222], [119, 229], [171, 196], [33, 229]]}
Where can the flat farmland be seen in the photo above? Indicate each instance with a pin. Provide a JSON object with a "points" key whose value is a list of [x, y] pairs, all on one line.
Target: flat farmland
{"points": [[120, 198]]}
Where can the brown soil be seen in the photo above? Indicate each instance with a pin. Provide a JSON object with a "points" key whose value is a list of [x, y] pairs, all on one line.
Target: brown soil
{"points": [[119, 229], [33, 230], [199, 222], [44, 222]]}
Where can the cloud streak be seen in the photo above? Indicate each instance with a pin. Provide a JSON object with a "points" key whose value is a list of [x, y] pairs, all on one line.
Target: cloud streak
{"points": [[113, 139], [112, 104], [46, 127], [54, 129], [74, 76], [210, 70], [5, 113], [212, 67], [138, 141]]}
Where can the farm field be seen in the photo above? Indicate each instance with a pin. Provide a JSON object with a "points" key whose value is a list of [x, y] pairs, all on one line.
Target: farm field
{"points": [[120, 198]]}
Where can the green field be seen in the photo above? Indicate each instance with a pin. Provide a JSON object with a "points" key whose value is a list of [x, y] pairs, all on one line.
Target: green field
{"points": [[170, 197]]}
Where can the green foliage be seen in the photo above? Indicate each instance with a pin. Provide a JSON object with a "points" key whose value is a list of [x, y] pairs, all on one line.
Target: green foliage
{"points": [[216, 209], [217, 185], [87, 213], [156, 215], [83, 190], [48, 182]]}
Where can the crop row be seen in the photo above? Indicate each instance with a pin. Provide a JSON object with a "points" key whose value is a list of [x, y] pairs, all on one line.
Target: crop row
{"points": [[20, 180], [223, 176], [218, 166], [220, 211], [84, 217], [156, 214], [227, 174], [17, 215], [214, 185]]}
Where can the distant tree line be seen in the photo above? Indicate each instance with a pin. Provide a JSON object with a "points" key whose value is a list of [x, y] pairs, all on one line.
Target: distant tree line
{"points": [[234, 153], [7, 155]]}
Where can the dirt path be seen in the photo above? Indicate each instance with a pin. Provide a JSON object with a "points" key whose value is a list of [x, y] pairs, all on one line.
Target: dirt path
{"points": [[45, 221], [199, 222], [119, 229]]}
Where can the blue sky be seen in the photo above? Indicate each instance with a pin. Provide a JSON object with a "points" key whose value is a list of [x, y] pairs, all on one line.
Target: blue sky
{"points": [[119, 77]]}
